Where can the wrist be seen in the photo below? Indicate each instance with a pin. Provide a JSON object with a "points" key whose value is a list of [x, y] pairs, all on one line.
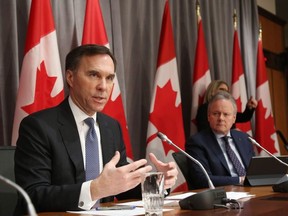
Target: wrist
{"points": [[241, 180]]}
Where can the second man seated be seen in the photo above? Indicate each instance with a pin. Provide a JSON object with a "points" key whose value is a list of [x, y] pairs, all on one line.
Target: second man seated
{"points": [[225, 153]]}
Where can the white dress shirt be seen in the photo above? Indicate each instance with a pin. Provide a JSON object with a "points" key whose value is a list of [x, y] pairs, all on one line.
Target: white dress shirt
{"points": [[233, 147], [85, 200]]}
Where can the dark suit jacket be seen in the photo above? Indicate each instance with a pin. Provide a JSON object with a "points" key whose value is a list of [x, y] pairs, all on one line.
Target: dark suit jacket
{"points": [[48, 158], [204, 147], [202, 119]]}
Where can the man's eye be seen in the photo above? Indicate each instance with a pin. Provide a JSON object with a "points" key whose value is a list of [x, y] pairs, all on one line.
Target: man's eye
{"points": [[94, 75], [216, 114], [110, 78]]}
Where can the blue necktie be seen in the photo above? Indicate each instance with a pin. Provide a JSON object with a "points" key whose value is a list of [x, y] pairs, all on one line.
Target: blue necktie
{"points": [[232, 156], [92, 151]]}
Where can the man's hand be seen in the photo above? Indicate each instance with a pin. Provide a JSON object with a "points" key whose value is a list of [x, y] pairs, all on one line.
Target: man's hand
{"points": [[114, 180], [241, 179], [169, 169]]}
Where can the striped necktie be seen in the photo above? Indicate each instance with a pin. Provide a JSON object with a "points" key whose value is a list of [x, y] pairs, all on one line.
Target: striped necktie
{"points": [[232, 156]]}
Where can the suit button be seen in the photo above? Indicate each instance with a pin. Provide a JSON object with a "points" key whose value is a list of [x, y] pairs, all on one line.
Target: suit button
{"points": [[81, 203]]}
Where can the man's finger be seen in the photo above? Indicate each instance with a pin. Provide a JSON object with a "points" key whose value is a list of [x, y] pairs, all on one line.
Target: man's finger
{"points": [[115, 159]]}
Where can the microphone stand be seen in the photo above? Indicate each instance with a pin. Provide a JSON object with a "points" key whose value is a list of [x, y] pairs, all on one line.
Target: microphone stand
{"points": [[31, 209], [166, 139], [258, 145], [207, 199]]}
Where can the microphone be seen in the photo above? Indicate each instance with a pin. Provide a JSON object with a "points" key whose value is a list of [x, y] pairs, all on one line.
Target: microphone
{"points": [[203, 200], [31, 209], [282, 185], [258, 145], [164, 138]]}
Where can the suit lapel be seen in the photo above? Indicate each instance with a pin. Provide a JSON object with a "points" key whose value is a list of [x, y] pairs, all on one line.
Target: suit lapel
{"points": [[238, 140], [71, 140], [217, 150], [108, 149]]}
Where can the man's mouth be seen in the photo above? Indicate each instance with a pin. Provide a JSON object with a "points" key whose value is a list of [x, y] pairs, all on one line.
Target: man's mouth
{"points": [[99, 99]]}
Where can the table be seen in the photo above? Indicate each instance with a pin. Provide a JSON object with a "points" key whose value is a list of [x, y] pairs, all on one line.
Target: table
{"points": [[266, 202]]}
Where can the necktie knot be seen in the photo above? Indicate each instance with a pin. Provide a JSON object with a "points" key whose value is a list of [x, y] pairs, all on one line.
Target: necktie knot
{"points": [[226, 139], [90, 122]]}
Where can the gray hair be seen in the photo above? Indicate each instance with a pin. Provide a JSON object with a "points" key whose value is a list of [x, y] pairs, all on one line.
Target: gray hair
{"points": [[223, 95]]}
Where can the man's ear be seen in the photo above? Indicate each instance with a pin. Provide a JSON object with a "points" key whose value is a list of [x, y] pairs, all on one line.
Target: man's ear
{"points": [[69, 77]]}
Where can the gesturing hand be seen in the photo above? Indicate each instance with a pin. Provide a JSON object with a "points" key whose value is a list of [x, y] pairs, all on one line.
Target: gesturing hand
{"points": [[169, 169], [114, 180]]}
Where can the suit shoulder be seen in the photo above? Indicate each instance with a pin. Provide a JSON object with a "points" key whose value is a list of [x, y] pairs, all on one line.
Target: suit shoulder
{"points": [[107, 119], [202, 134], [239, 133], [49, 114]]}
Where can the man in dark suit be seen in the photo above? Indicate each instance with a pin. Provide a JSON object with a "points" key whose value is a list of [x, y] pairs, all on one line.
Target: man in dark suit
{"points": [[225, 153], [50, 158]]}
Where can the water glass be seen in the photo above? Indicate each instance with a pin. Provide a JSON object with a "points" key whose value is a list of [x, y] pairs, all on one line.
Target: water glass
{"points": [[153, 193]]}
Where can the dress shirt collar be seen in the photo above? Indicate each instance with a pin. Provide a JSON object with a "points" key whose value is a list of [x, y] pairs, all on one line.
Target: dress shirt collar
{"points": [[78, 114], [219, 136]]}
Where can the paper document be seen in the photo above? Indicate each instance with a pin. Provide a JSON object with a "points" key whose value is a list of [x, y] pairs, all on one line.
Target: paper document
{"points": [[179, 196], [168, 201], [230, 195], [132, 212], [238, 195]]}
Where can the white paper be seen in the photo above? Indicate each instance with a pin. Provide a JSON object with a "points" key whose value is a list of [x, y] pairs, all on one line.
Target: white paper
{"points": [[238, 195], [230, 195], [168, 201], [179, 196], [132, 212], [140, 203]]}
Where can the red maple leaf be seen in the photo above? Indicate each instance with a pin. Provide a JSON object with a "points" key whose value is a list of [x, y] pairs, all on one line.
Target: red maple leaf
{"points": [[265, 128], [43, 88], [165, 116]]}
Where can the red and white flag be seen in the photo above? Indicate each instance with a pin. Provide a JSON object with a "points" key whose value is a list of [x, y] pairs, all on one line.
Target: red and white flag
{"points": [[41, 81], [95, 33], [265, 132], [238, 88], [166, 109], [201, 76]]}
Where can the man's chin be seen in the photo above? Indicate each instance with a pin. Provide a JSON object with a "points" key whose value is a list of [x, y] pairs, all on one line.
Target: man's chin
{"points": [[220, 131], [100, 108]]}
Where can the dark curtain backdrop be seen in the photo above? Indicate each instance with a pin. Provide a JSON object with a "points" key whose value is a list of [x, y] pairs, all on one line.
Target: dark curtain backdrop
{"points": [[133, 28]]}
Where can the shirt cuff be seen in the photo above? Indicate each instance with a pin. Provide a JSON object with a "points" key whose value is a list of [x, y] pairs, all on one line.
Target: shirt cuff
{"points": [[85, 200]]}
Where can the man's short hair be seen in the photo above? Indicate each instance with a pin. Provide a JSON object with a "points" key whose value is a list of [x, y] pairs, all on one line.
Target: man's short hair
{"points": [[223, 95], [75, 55]]}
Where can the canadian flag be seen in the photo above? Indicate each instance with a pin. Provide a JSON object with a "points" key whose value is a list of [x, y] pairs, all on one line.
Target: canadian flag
{"points": [[166, 109], [201, 76], [95, 33], [41, 82], [238, 87], [265, 132]]}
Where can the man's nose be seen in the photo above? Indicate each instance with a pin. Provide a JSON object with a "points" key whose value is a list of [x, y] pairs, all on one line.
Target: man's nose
{"points": [[221, 116], [102, 84]]}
